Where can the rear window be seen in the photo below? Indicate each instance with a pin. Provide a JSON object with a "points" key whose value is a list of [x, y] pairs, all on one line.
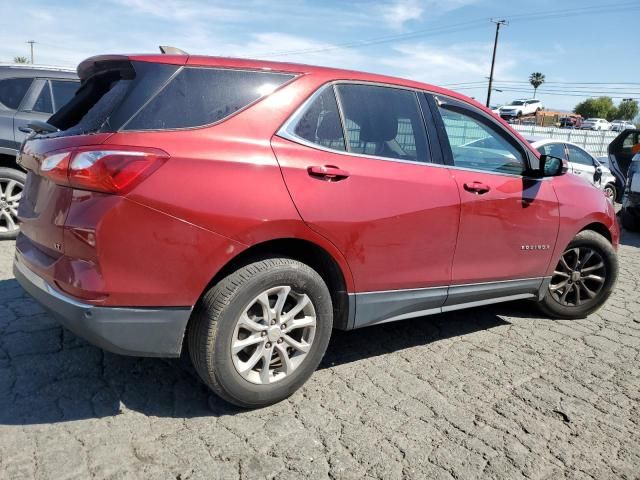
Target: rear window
{"points": [[202, 96], [13, 90]]}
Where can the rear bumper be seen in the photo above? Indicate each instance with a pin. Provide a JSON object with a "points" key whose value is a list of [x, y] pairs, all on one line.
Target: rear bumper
{"points": [[145, 332]]}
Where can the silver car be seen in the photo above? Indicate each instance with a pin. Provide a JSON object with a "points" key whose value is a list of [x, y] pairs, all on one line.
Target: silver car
{"points": [[581, 163], [27, 93]]}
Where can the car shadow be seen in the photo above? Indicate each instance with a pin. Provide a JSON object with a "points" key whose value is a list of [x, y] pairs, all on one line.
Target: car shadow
{"points": [[628, 238], [47, 374]]}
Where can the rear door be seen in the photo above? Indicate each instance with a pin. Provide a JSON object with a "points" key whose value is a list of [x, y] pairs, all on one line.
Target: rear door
{"points": [[508, 222], [379, 196], [37, 105]]}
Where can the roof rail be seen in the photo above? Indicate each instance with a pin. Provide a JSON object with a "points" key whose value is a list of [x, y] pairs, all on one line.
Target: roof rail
{"points": [[37, 67]]}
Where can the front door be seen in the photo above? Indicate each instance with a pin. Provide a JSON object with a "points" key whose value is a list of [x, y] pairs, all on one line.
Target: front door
{"points": [[582, 164], [508, 222]]}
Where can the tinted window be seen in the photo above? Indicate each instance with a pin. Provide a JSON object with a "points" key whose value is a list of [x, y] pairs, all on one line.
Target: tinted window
{"points": [[43, 102], [477, 145], [553, 149], [320, 123], [383, 121], [13, 90], [577, 155], [63, 92], [201, 96]]}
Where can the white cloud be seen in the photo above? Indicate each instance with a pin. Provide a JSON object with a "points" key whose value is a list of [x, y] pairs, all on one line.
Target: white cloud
{"points": [[397, 13]]}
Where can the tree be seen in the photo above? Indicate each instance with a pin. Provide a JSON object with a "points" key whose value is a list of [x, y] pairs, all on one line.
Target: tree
{"points": [[601, 107], [20, 60], [628, 109], [536, 79]]}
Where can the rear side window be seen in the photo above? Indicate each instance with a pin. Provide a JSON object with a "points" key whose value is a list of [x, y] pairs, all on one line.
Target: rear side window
{"points": [[13, 90], [43, 102], [384, 122], [63, 91], [202, 96], [320, 122], [553, 149]]}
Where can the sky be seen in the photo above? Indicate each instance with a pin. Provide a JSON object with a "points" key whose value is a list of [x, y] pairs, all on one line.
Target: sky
{"points": [[584, 48]]}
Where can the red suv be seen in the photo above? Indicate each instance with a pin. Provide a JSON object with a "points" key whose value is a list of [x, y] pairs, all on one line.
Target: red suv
{"points": [[244, 209]]}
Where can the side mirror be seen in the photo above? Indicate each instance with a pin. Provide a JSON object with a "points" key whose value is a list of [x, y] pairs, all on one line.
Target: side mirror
{"points": [[598, 174], [551, 166]]}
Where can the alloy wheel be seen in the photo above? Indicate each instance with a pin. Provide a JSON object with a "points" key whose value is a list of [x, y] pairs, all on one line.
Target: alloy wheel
{"points": [[10, 195], [579, 277], [273, 335]]}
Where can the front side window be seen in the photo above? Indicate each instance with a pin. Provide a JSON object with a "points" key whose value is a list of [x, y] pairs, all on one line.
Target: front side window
{"points": [[320, 123], [577, 155], [13, 90], [383, 122], [43, 102], [553, 149], [202, 96], [477, 145]]}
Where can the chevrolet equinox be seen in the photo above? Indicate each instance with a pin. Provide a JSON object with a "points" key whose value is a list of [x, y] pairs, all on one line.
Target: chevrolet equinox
{"points": [[243, 209]]}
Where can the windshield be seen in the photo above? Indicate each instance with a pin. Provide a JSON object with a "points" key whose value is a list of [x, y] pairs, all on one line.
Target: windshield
{"points": [[517, 102]]}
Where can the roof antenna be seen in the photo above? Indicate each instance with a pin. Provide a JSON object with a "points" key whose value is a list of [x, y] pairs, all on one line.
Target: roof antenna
{"points": [[168, 50]]}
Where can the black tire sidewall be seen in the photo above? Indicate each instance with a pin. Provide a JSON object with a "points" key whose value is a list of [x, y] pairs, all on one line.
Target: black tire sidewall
{"points": [[610, 259], [19, 176], [249, 394]]}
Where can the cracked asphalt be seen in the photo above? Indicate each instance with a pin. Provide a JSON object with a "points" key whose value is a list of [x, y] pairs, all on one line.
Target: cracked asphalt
{"points": [[496, 392]]}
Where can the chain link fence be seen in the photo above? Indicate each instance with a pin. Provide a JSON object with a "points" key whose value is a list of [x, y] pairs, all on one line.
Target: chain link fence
{"points": [[594, 142]]}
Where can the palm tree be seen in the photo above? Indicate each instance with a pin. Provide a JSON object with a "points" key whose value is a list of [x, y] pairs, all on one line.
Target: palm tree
{"points": [[20, 60], [536, 79]]}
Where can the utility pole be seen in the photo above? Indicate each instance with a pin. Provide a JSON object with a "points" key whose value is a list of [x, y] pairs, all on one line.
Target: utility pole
{"points": [[31, 42], [493, 58]]}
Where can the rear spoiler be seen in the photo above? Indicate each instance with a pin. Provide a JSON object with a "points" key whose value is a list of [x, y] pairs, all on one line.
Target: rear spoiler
{"points": [[93, 65]]}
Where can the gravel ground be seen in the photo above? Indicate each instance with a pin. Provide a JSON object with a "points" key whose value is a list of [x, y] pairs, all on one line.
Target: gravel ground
{"points": [[496, 392]]}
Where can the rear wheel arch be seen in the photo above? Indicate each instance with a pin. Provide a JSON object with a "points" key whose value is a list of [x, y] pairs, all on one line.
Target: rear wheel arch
{"points": [[318, 258]]}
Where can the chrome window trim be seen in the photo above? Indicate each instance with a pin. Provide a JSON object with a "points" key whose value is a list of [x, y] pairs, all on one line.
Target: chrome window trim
{"points": [[286, 131]]}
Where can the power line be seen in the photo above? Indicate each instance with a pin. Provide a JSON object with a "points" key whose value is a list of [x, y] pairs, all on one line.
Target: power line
{"points": [[522, 17]]}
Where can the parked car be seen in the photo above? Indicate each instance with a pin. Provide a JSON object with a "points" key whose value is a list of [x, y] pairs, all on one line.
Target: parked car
{"points": [[620, 125], [570, 122], [27, 93], [621, 151], [624, 162], [581, 163], [630, 213], [517, 108], [595, 124], [247, 208]]}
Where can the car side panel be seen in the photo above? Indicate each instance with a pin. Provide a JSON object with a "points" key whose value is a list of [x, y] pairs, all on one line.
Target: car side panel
{"points": [[575, 197]]}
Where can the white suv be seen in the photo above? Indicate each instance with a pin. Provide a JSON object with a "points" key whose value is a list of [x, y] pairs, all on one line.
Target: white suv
{"points": [[517, 108], [595, 124]]}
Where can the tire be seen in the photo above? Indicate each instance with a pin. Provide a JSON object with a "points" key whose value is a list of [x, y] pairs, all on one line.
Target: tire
{"points": [[12, 183], [630, 222], [610, 192], [215, 325], [571, 308]]}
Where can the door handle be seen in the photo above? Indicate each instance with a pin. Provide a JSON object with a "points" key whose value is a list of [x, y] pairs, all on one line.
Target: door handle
{"points": [[477, 187], [330, 173]]}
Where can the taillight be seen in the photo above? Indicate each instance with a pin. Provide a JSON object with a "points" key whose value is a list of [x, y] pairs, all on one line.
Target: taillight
{"points": [[110, 171]]}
